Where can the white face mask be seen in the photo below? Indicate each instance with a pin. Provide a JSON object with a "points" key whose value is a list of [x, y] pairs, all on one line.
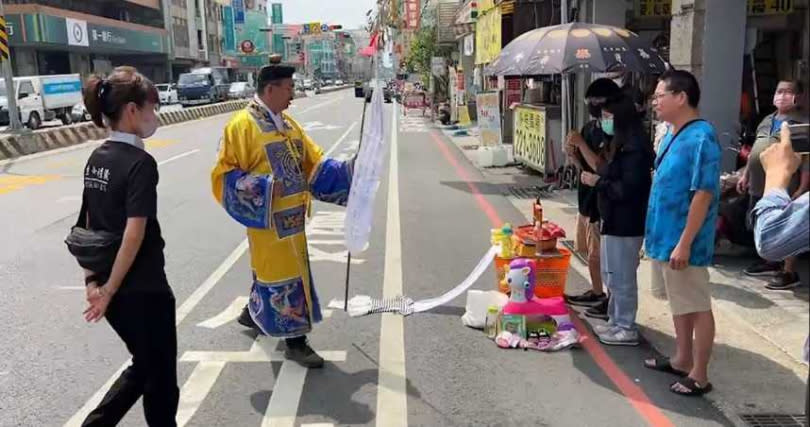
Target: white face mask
{"points": [[148, 127]]}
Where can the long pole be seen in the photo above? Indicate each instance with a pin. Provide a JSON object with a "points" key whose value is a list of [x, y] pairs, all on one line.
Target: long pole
{"points": [[11, 95], [359, 144]]}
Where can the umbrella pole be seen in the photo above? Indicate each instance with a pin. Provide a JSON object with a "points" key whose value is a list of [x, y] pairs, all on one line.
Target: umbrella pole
{"points": [[565, 106]]}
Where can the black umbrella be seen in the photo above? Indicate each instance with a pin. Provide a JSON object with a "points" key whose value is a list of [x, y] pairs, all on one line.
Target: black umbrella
{"points": [[569, 48]]}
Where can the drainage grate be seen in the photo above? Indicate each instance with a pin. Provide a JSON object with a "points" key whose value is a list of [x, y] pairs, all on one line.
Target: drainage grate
{"points": [[774, 420], [531, 192]]}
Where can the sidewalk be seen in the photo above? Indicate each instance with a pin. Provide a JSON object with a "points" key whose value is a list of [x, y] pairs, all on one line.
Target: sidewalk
{"points": [[756, 366]]}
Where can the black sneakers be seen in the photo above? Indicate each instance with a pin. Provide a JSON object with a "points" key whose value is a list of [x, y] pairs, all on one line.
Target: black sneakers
{"points": [[599, 311], [765, 268], [587, 299], [784, 281], [303, 354]]}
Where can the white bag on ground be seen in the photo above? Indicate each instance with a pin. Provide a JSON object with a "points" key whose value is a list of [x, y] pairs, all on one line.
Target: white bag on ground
{"points": [[478, 303]]}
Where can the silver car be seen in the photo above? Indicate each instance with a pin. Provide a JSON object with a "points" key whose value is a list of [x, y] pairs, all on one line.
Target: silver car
{"points": [[241, 90]]}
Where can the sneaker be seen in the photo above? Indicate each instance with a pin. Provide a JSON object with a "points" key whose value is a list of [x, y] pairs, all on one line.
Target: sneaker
{"points": [[784, 281], [304, 355], [603, 329], [599, 311], [587, 299], [766, 268], [245, 319], [619, 336]]}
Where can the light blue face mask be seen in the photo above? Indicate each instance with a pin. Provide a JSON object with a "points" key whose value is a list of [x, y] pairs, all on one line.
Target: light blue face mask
{"points": [[607, 126]]}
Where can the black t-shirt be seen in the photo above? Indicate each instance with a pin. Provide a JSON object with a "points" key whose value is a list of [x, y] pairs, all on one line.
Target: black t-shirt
{"points": [[586, 196], [120, 182]]}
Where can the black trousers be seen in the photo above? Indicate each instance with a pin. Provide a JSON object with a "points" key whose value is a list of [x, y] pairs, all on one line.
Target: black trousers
{"points": [[146, 324]]}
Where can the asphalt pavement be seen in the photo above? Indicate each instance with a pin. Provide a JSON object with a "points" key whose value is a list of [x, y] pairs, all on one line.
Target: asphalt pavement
{"points": [[431, 225]]}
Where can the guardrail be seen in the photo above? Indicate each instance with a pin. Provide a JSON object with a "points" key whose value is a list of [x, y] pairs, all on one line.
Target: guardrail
{"points": [[16, 145]]}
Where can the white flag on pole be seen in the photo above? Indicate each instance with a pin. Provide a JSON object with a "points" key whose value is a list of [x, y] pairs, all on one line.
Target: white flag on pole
{"points": [[367, 170]]}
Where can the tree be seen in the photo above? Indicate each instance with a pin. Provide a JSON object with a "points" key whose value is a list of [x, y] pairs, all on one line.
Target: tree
{"points": [[423, 49]]}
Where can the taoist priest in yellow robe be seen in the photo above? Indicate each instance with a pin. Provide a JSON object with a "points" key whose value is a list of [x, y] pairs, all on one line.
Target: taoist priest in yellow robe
{"points": [[266, 174]]}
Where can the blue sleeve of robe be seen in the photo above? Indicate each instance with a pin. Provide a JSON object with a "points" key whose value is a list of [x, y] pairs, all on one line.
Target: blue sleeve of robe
{"points": [[248, 198]]}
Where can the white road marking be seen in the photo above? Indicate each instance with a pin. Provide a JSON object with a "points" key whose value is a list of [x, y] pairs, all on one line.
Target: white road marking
{"points": [[340, 140], [328, 223], [318, 425], [316, 125], [340, 257], [283, 406], [392, 402], [195, 389], [325, 242], [226, 316], [179, 156], [66, 199], [321, 105], [211, 281], [189, 304]]}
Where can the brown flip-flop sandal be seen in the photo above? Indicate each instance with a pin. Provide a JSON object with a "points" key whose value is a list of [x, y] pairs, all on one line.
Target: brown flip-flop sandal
{"points": [[663, 364], [694, 388]]}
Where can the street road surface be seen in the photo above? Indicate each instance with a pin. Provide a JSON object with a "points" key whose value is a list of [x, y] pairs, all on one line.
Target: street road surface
{"points": [[431, 226]]}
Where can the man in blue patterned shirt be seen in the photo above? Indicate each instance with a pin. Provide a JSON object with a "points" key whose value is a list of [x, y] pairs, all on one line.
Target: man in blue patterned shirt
{"points": [[681, 216]]}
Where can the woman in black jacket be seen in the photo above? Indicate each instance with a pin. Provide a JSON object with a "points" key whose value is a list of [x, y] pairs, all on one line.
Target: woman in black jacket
{"points": [[623, 187]]}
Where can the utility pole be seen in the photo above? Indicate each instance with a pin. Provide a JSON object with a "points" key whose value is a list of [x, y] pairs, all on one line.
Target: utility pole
{"points": [[5, 57]]}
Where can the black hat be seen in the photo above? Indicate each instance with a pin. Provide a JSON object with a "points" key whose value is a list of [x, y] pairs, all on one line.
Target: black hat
{"points": [[275, 71]]}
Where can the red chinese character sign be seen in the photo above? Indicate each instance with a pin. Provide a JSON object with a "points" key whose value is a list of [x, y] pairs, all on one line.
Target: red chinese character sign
{"points": [[412, 14]]}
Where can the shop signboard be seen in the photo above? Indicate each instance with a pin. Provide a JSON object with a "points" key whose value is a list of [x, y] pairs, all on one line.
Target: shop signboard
{"points": [[512, 93], [77, 32], [467, 13], [485, 5], [56, 30], [530, 136], [653, 8], [469, 45], [13, 26], [278, 16], [412, 14], [663, 8], [228, 27], [770, 7], [238, 11], [488, 36], [489, 118]]}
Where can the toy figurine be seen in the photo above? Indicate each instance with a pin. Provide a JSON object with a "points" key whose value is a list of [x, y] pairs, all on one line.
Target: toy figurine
{"points": [[521, 279], [522, 300]]}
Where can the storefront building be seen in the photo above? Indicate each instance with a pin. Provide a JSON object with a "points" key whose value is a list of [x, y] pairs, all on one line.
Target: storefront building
{"points": [[50, 40]]}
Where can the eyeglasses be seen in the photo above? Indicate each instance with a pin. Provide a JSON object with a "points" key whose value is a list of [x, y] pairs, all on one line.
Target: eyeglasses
{"points": [[657, 96]]}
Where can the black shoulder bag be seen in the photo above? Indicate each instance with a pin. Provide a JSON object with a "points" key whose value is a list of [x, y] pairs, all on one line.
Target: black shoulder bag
{"points": [[95, 250]]}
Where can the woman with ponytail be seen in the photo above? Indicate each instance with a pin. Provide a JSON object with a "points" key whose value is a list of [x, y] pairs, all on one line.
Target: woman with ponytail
{"points": [[120, 199]]}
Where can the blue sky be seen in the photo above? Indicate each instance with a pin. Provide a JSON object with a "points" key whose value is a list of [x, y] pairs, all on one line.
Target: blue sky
{"points": [[349, 13]]}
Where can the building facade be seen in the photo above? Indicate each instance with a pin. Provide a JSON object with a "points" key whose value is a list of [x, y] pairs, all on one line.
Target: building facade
{"points": [[87, 36]]}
